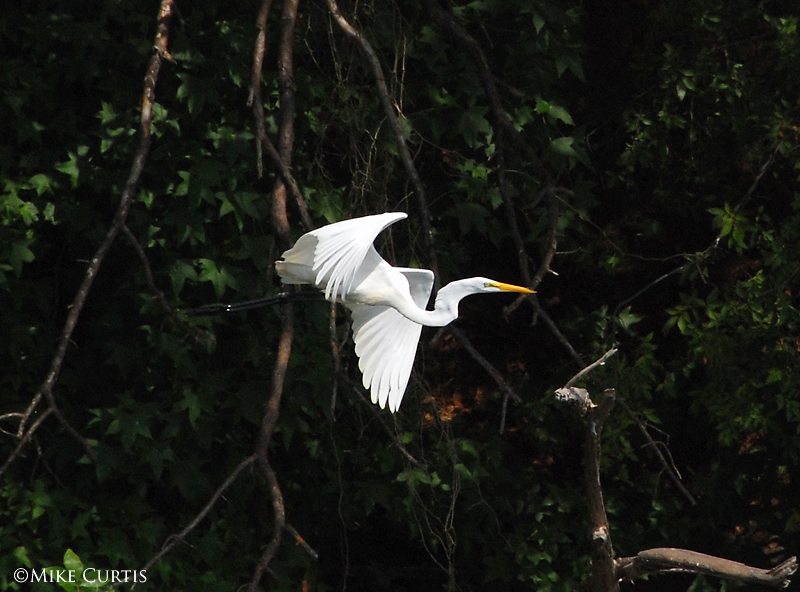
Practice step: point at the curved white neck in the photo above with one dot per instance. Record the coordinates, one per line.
(445, 308)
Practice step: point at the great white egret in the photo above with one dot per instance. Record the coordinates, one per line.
(388, 303)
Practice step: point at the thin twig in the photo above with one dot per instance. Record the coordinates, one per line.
(599, 362)
(381, 420)
(504, 124)
(671, 472)
(197, 334)
(24, 440)
(180, 536)
(301, 541)
(550, 252)
(391, 116)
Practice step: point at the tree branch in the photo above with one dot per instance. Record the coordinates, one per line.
(46, 389)
(665, 560)
(280, 222)
(180, 536)
(262, 139)
(603, 578)
(24, 440)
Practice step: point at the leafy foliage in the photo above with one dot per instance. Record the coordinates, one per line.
(672, 130)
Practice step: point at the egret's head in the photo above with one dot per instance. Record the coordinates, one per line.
(448, 297)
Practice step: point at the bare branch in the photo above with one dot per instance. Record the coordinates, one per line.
(599, 362)
(280, 222)
(301, 541)
(24, 440)
(603, 578)
(160, 53)
(676, 480)
(680, 560)
(180, 536)
(262, 139)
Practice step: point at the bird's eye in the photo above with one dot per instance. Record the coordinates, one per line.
(488, 284)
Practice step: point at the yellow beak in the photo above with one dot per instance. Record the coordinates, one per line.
(512, 288)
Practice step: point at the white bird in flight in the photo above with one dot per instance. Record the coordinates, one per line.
(388, 303)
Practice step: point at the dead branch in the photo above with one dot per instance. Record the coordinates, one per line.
(666, 560)
(607, 572)
(622, 403)
(391, 116)
(597, 363)
(45, 391)
(603, 578)
(280, 222)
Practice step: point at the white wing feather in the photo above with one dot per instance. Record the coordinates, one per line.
(332, 255)
(386, 342)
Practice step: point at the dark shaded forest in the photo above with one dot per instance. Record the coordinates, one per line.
(636, 164)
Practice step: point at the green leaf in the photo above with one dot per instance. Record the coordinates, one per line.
(219, 277)
(564, 147)
(72, 562)
(561, 114)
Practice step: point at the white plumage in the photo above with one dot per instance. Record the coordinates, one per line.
(388, 303)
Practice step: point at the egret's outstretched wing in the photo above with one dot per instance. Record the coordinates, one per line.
(386, 342)
(332, 255)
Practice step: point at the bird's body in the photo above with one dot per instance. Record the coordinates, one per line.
(388, 303)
